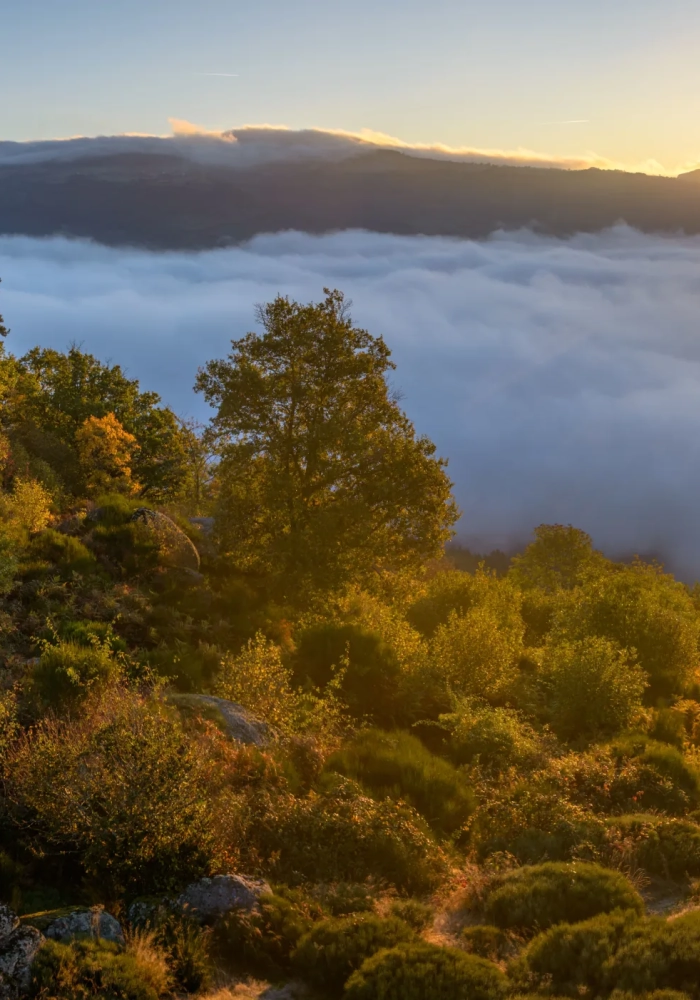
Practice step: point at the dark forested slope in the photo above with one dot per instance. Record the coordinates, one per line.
(169, 201)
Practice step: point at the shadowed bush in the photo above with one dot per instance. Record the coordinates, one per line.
(397, 765)
(334, 948)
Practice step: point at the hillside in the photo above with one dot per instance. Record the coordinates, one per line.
(171, 202)
(260, 737)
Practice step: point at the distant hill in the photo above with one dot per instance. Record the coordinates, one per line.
(171, 202)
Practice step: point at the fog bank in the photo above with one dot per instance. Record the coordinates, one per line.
(561, 378)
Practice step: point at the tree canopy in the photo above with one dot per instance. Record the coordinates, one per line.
(322, 476)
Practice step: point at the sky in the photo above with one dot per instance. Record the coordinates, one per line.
(559, 377)
(619, 79)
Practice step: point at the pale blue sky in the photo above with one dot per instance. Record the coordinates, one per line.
(493, 74)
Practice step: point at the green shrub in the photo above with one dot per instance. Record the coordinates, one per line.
(570, 957)
(418, 971)
(457, 592)
(262, 941)
(372, 668)
(541, 895)
(397, 765)
(486, 941)
(345, 836)
(416, 914)
(86, 968)
(65, 551)
(668, 763)
(668, 726)
(342, 898)
(125, 793)
(187, 944)
(666, 847)
(334, 948)
(638, 607)
(68, 672)
(495, 738)
(658, 954)
(475, 655)
(90, 633)
(130, 548)
(535, 822)
(591, 687)
(114, 509)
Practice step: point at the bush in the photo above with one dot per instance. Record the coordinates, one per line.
(343, 898)
(591, 687)
(345, 836)
(458, 592)
(263, 940)
(334, 948)
(68, 672)
(666, 762)
(541, 895)
(416, 914)
(126, 793)
(86, 968)
(417, 971)
(130, 548)
(68, 553)
(485, 940)
(666, 847)
(658, 955)
(567, 958)
(187, 944)
(372, 668)
(494, 738)
(536, 822)
(638, 607)
(474, 655)
(397, 765)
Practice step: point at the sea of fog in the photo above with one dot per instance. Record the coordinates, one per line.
(560, 378)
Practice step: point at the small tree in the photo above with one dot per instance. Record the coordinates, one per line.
(561, 557)
(322, 477)
(106, 451)
(594, 688)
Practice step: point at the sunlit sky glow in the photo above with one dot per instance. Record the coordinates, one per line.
(613, 81)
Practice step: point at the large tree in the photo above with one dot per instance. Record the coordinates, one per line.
(322, 477)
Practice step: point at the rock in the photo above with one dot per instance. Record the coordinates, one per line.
(9, 921)
(176, 549)
(235, 720)
(18, 947)
(93, 923)
(214, 897)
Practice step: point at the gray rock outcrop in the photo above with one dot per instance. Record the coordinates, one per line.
(86, 923)
(215, 897)
(18, 947)
(176, 549)
(232, 718)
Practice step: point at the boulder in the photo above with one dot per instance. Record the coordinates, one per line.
(233, 719)
(93, 923)
(214, 897)
(18, 948)
(176, 549)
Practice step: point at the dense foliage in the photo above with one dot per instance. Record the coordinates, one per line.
(244, 648)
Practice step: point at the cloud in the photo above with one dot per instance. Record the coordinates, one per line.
(254, 145)
(561, 378)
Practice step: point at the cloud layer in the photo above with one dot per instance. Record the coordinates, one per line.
(257, 145)
(561, 378)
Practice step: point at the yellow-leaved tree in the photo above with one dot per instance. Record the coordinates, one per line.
(106, 453)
